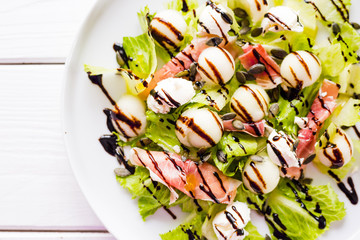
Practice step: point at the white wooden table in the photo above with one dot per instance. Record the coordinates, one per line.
(39, 196)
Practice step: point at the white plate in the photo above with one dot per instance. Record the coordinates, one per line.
(84, 123)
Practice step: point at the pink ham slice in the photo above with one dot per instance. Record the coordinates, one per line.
(323, 105)
(183, 60)
(271, 77)
(199, 181)
(256, 129)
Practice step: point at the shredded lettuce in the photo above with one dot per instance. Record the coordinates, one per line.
(297, 212)
(332, 64)
(349, 79)
(191, 229)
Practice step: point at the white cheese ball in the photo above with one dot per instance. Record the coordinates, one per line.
(338, 152)
(170, 93)
(211, 21)
(250, 102)
(261, 175)
(280, 148)
(256, 9)
(281, 18)
(130, 119)
(168, 27)
(300, 69)
(230, 223)
(216, 66)
(200, 128)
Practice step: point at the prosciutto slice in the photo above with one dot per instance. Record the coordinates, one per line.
(198, 181)
(271, 77)
(256, 129)
(323, 105)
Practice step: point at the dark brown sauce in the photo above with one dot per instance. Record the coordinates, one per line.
(337, 161)
(240, 145)
(185, 7)
(97, 80)
(232, 221)
(164, 207)
(323, 104)
(258, 174)
(109, 143)
(242, 113)
(156, 165)
(263, 60)
(303, 63)
(202, 188)
(222, 33)
(253, 184)
(350, 193)
(216, 72)
(237, 212)
(220, 181)
(189, 122)
(274, 18)
(357, 131)
(120, 49)
(320, 219)
(119, 153)
(133, 122)
(109, 122)
(344, 13)
(316, 9)
(278, 154)
(256, 97)
(172, 101)
(278, 221)
(174, 163)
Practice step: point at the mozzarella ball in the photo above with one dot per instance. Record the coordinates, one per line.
(281, 18)
(216, 66)
(250, 102)
(129, 119)
(200, 128)
(300, 69)
(338, 152)
(260, 175)
(256, 9)
(280, 148)
(211, 21)
(230, 223)
(170, 93)
(168, 27)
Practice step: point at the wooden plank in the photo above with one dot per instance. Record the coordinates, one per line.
(37, 187)
(39, 30)
(55, 235)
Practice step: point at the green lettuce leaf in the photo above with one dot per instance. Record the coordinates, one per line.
(289, 204)
(330, 12)
(347, 113)
(191, 229)
(253, 232)
(161, 130)
(207, 228)
(299, 107)
(331, 61)
(150, 197)
(235, 146)
(254, 201)
(349, 81)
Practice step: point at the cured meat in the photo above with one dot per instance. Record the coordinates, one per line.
(271, 77)
(323, 105)
(199, 181)
(182, 61)
(256, 129)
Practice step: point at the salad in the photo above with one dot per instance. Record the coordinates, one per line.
(228, 103)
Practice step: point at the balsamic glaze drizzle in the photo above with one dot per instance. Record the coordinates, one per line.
(350, 193)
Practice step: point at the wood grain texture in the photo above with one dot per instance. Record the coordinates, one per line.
(37, 187)
(39, 30)
(55, 236)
